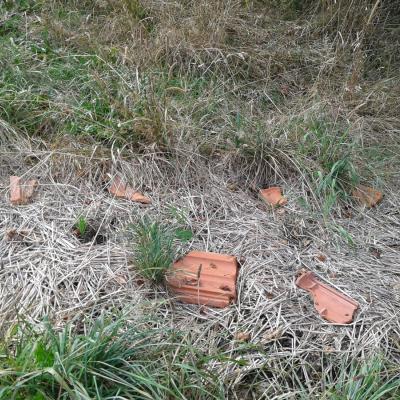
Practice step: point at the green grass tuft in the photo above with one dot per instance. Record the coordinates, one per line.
(112, 360)
(327, 152)
(154, 249)
(370, 380)
(81, 225)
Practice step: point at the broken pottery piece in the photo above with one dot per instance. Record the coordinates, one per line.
(204, 278)
(117, 187)
(21, 193)
(122, 190)
(330, 303)
(132, 195)
(242, 336)
(367, 196)
(273, 196)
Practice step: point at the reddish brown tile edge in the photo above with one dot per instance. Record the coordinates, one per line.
(117, 187)
(204, 278)
(273, 196)
(120, 189)
(21, 193)
(331, 304)
(367, 196)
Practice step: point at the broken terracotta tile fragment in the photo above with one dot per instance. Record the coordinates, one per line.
(273, 196)
(367, 196)
(121, 189)
(321, 257)
(330, 303)
(117, 187)
(204, 278)
(132, 195)
(21, 193)
(242, 336)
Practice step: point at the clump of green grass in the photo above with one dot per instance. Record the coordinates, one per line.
(112, 360)
(182, 232)
(49, 91)
(332, 169)
(135, 9)
(21, 5)
(154, 249)
(81, 225)
(370, 380)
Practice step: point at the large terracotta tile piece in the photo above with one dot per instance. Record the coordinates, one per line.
(122, 190)
(204, 278)
(367, 196)
(330, 303)
(273, 196)
(20, 193)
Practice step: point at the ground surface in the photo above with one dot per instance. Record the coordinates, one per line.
(200, 135)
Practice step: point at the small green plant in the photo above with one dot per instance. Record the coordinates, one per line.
(335, 183)
(332, 171)
(112, 360)
(181, 232)
(343, 234)
(370, 380)
(154, 249)
(81, 225)
(135, 9)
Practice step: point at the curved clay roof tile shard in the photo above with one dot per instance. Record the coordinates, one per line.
(367, 196)
(273, 196)
(21, 193)
(204, 278)
(330, 303)
(120, 189)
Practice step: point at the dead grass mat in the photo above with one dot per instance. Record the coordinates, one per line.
(47, 271)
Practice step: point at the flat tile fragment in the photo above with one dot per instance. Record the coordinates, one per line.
(367, 196)
(21, 192)
(331, 304)
(120, 189)
(273, 196)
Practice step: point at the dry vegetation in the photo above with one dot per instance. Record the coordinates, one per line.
(198, 104)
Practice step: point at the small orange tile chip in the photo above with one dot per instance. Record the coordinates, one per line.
(273, 196)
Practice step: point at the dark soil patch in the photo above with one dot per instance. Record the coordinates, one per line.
(91, 234)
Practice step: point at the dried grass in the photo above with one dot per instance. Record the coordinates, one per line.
(241, 132)
(47, 271)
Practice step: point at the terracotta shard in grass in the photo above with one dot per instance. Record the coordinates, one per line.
(331, 304)
(21, 193)
(204, 278)
(121, 189)
(367, 196)
(273, 196)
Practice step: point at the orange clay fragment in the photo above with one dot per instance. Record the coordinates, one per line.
(204, 278)
(122, 190)
(21, 193)
(273, 196)
(330, 303)
(367, 196)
